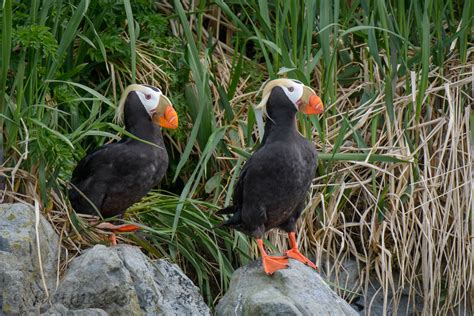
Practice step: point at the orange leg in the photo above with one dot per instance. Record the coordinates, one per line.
(296, 254)
(113, 239)
(125, 228)
(271, 264)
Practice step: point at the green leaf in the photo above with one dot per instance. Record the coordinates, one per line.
(5, 62)
(69, 35)
(212, 183)
(52, 131)
(268, 43)
(425, 66)
(212, 142)
(132, 37)
(359, 157)
(87, 89)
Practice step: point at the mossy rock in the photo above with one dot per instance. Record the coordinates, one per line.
(21, 285)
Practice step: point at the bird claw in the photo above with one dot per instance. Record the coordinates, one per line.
(125, 228)
(297, 255)
(113, 239)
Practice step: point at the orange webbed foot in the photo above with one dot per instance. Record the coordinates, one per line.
(297, 255)
(125, 228)
(273, 264)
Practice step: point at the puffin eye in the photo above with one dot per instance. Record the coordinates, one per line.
(291, 89)
(147, 96)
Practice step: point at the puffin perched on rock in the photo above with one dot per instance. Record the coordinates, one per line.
(275, 180)
(114, 176)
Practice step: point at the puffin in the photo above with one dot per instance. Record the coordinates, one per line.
(274, 182)
(114, 176)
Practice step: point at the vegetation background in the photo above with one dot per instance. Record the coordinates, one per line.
(393, 189)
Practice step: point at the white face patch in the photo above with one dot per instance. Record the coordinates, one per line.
(294, 92)
(149, 99)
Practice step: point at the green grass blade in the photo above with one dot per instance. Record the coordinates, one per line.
(425, 67)
(214, 139)
(133, 38)
(52, 131)
(190, 144)
(339, 156)
(359, 157)
(5, 62)
(467, 18)
(69, 35)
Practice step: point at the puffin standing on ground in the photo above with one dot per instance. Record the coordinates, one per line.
(114, 176)
(275, 180)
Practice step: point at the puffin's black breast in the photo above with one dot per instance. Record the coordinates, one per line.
(277, 180)
(115, 176)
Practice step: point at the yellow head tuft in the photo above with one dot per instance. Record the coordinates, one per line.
(119, 111)
(267, 89)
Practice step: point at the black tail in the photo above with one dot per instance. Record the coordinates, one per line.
(232, 222)
(227, 210)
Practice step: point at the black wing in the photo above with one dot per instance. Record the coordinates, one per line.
(84, 168)
(84, 181)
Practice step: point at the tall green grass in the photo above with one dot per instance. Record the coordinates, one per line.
(378, 66)
(64, 65)
(394, 75)
(206, 252)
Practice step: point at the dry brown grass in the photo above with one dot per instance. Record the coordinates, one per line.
(423, 240)
(422, 244)
(408, 225)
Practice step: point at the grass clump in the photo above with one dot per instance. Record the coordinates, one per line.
(395, 169)
(395, 163)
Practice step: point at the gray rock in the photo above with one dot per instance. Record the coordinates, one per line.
(121, 280)
(345, 279)
(345, 274)
(372, 302)
(298, 290)
(21, 286)
(61, 310)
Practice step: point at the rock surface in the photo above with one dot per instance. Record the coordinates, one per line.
(121, 280)
(371, 300)
(61, 310)
(21, 286)
(345, 275)
(298, 290)
(117, 280)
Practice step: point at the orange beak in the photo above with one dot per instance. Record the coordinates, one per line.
(314, 106)
(310, 103)
(169, 119)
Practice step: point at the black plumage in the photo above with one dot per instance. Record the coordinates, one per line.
(274, 182)
(117, 175)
